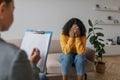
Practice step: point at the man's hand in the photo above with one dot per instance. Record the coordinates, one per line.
(35, 56)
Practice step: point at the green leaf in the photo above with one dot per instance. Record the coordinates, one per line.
(100, 54)
(102, 51)
(100, 34)
(92, 39)
(102, 45)
(101, 39)
(99, 28)
(88, 35)
(97, 48)
(90, 23)
(96, 45)
(90, 30)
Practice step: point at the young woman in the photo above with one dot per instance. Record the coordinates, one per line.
(73, 44)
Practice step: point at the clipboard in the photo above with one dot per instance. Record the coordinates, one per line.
(37, 39)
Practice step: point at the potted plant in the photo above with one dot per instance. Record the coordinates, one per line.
(95, 38)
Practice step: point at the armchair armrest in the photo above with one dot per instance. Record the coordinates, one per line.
(90, 54)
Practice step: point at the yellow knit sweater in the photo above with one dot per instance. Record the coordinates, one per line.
(73, 45)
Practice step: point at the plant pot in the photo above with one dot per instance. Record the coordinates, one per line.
(100, 67)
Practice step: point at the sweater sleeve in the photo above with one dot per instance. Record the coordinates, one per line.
(66, 43)
(80, 44)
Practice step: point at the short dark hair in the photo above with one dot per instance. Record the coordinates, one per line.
(69, 24)
(7, 1)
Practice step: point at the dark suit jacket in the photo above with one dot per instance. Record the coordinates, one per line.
(14, 64)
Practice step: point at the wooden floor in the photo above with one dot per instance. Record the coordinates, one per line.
(112, 70)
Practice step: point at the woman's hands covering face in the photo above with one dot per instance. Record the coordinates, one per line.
(74, 31)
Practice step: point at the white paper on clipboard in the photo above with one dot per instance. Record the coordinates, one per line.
(37, 39)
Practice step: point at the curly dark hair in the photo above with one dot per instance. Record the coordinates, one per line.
(69, 24)
(7, 1)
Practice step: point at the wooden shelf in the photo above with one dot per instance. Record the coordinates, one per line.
(107, 10)
(107, 24)
(101, 22)
(109, 21)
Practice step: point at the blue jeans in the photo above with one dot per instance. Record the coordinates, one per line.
(67, 60)
(43, 76)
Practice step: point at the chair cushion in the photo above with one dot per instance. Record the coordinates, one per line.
(90, 54)
(53, 65)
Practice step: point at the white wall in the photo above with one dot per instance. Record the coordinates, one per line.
(52, 14)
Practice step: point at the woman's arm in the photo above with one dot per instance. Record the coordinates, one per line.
(66, 43)
(80, 44)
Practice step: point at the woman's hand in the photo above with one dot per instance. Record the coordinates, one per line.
(77, 33)
(74, 31)
(35, 56)
(71, 33)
